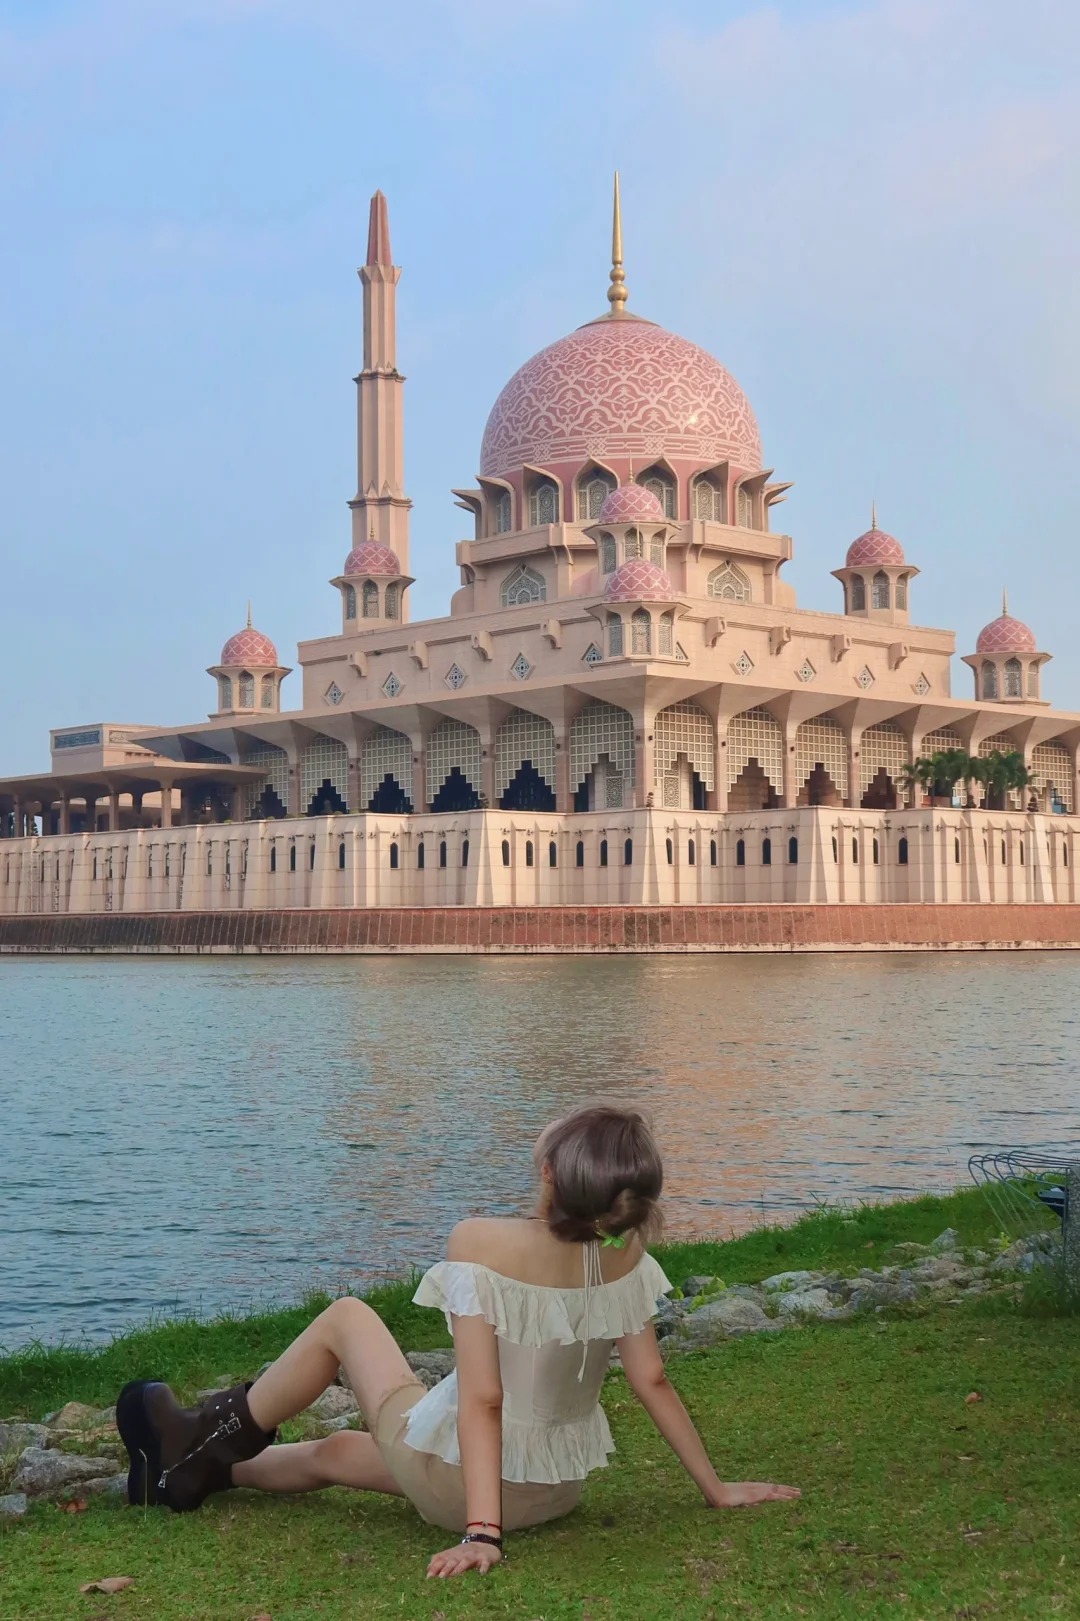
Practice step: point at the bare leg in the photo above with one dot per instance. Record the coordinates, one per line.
(345, 1459)
(347, 1334)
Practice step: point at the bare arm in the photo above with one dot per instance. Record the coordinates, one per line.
(644, 1369)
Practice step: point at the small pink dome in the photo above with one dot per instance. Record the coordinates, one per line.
(631, 503)
(249, 646)
(372, 557)
(639, 581)
(1005, 635)
(874, 548)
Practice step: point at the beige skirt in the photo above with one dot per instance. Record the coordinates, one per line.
(436, 1489)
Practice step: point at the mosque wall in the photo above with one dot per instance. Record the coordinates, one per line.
(811, 855)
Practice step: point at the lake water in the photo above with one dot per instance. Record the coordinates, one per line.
(198, 1134)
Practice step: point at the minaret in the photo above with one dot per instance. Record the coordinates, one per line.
(380, 506)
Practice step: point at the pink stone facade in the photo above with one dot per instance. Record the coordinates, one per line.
(625, 705)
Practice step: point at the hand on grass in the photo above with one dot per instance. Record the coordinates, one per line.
(744, 1493)
(464, 1556)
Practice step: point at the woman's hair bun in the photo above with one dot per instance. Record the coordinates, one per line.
(606, 1174)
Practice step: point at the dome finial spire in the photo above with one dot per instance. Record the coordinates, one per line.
(249, 614)
(617, 293)
(1004, 600)
(873, 514)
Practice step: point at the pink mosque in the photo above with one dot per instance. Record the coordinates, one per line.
(624, 705)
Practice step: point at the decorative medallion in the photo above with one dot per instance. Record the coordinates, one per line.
(333, 693)
(391, 686)
(743, 664)
(455, 677)
(806, 671)
(521, 669)
(864, 679)
(921, 686)
(593, 655)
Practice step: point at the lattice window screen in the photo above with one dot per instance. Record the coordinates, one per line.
(730, 584)
(521, 737)
(883, 745)
(276, 764)
(1014, 799)
(324, 757)
(601, 729)
(1050, 764)
(683, 728)
(452, 743)
(822, 741)
(756, 735)
(937, 742)
(385, 751)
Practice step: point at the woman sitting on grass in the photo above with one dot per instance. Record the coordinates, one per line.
(534, 1304)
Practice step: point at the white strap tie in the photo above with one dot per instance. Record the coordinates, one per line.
(593, 1279)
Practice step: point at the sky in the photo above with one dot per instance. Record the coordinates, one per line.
(868, 210)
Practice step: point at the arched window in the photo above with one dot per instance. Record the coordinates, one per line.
(691, 852)
(740, 853)
(657, 551)
(659, 482)
(1014, 679)
(442, 852)
(350, 602)
(603, 852)
(766, 852)
(670, 847)
(393, 593)
(224, 692)
(989, 679)
(341, 856)
(553, 854)
(506, 852)
(273, 858)
(880, 597)
(504, 512)
(522, 585)
(529, 853)
(464, 852)
(876, 852)
(708, 502)
(393, 857)
(292, 857)
(420, 856)
(745, 508)
(370, 600)
(667, 633)
(729, 584)
(543, 503)
(641, 631)
(1033, 681)
(793, 852)
(607, 554)
(592, 492)
(902, 852)
(628, 853)
(901, 592)
(247, 691)
(268, 692)
(579, 853)
(615, 636)
(712, 852)
(858, 594)
(633, 545)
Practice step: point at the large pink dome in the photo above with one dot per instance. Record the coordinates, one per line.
(620, 387)
(1006, 635)
(639, 581)
(372, 557)
(631, 503)
(874, 548)
(249, 646)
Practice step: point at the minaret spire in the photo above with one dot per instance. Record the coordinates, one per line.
(1004, 600)
(249, 614)
(380, 507)
(873, 514)
(617, 293)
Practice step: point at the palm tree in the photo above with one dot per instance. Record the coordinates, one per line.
(1004, 771)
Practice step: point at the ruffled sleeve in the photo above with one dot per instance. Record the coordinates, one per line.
(531, 1314)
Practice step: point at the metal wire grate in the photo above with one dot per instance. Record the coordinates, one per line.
(1023, 1187)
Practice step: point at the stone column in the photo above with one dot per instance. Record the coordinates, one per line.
(644, 761)
(720, 793)
(114, 810)
(419, 784)
(65, 813)
(790, 792)
(853, 750)
(563, 795)
(166, 802)
(237, 801)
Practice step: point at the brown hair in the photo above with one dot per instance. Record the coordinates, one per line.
(606, 1174)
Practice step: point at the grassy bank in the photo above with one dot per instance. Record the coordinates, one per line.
(916, 1502)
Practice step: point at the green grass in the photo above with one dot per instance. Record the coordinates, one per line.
(915, 1503)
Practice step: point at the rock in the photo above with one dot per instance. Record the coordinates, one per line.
(936, 1267)
(811, 1302)
(726, 1318)
(669, 1314)
(431, 1367)
(334, 1403)
(874, 1293)
(13, 1506)
(105, 1486)
(907, 1251)
(792, 1280)
(700, 1284)
(45, 1474)
(16, 1436)
(347, 1421)
(74, 1415)
(948, 1240)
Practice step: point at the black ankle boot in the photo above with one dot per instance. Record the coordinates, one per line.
(179, 1455)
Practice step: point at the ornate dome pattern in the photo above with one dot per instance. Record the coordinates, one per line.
(873, 548)
(1006, 635)
(639, 581)
(631, 503)
(620, 388)
(372, 557)
(249, 646)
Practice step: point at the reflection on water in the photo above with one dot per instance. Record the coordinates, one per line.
(209, 1133)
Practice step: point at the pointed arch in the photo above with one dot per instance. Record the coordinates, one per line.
(594, 485)
(708, 498)
(728, 583)
(744, 507)
(246, 688)
(393, 600)
(525, 762)
(324, 776)
(641, 631)
(603, 734)
(821, 762)
(883, 760)
(270, 797)
(452, 763)
(369, 599)
(858, 594)
(608, 554)
(659, 480)
(755, 760)
(522, 586)
(350, 602)
(1052, 774)
(543, 502)
(989, 679)
(1014, 678)
(684, 756)
(386, 771)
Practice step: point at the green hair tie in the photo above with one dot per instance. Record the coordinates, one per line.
(610, 1242)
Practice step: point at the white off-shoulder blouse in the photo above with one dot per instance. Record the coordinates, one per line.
(554, 1349)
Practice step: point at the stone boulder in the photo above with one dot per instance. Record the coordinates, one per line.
(336, 1402)
(792, 1280)
(75, 1415)
(431, 1367)
(728, 1317)
(13, 1506)
(16, 1436)
(805, 1302)
(948, 1240)
(699, 1284)
(51, 1474)
(873, 1293)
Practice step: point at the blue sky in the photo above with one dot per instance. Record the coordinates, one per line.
(867, 210)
